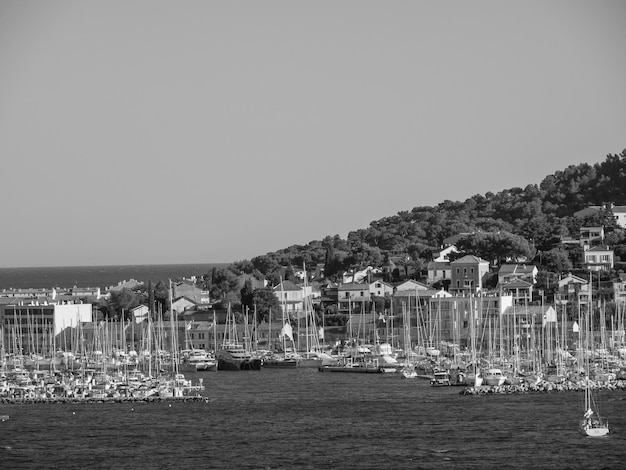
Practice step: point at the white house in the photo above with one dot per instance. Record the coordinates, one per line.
(291, 296)
(380, 288)
(410, 285)
(140, 313)
(598, 258)
(516, 272)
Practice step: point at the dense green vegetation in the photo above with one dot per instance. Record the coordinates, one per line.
(514, 222)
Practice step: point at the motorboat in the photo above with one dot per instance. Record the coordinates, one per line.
(197, 360)
(494, 377)
(441, 378)
(235, 357)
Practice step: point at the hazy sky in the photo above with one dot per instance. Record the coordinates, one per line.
(148, 132)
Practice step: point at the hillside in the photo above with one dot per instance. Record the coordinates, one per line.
(537, 214)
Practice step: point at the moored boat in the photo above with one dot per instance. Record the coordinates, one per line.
(235, 357)
(494, 377)
(441, 378)
(197, 360)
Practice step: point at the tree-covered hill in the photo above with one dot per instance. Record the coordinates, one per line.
(538, 215)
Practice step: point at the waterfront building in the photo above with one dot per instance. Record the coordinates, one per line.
(36, 325)
(130, 284)
(410, 285)
(50, 293)
(351, 295)
(90, 293)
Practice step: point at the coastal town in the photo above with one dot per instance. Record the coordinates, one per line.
(507, 339)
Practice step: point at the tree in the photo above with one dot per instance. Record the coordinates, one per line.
(161, 297)
(556, 260)
(150, 298)
(498, 246)
(264, 300)
(247, 294)
(122, 301)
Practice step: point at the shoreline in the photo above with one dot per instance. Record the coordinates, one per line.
(94, 400)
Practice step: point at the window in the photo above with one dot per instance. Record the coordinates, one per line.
(472, 270)
(458, 270)
(465, 271)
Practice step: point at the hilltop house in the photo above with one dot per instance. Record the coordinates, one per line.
(619, 213)
(598, 258)
(467, 274)
(291, 296)
(380, 288)
(619, 290)
(139, 313)
(572, 289)
(515, 272)
(591, 236)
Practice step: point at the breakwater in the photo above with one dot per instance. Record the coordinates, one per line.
(543, 387)
(94, 400)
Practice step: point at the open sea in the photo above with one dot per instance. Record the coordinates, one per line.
(98, 276)
(305, 419)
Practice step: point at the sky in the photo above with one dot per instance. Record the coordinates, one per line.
(157, 132)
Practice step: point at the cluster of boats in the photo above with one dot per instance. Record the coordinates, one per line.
(67, 377)
(133, 376)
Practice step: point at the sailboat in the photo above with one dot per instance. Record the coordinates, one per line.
(408, 370)
(592, 423)
(232, 355)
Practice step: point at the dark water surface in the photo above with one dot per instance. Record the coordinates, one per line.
(291, 419)
(97, 276)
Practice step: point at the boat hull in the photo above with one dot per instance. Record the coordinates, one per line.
(594, 427)
(353, 370)
(280, 364)
(245, 364)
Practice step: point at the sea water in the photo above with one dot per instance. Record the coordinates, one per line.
(304, 419)
(98, 276)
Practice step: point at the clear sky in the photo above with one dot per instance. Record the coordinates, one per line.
(149, 132)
